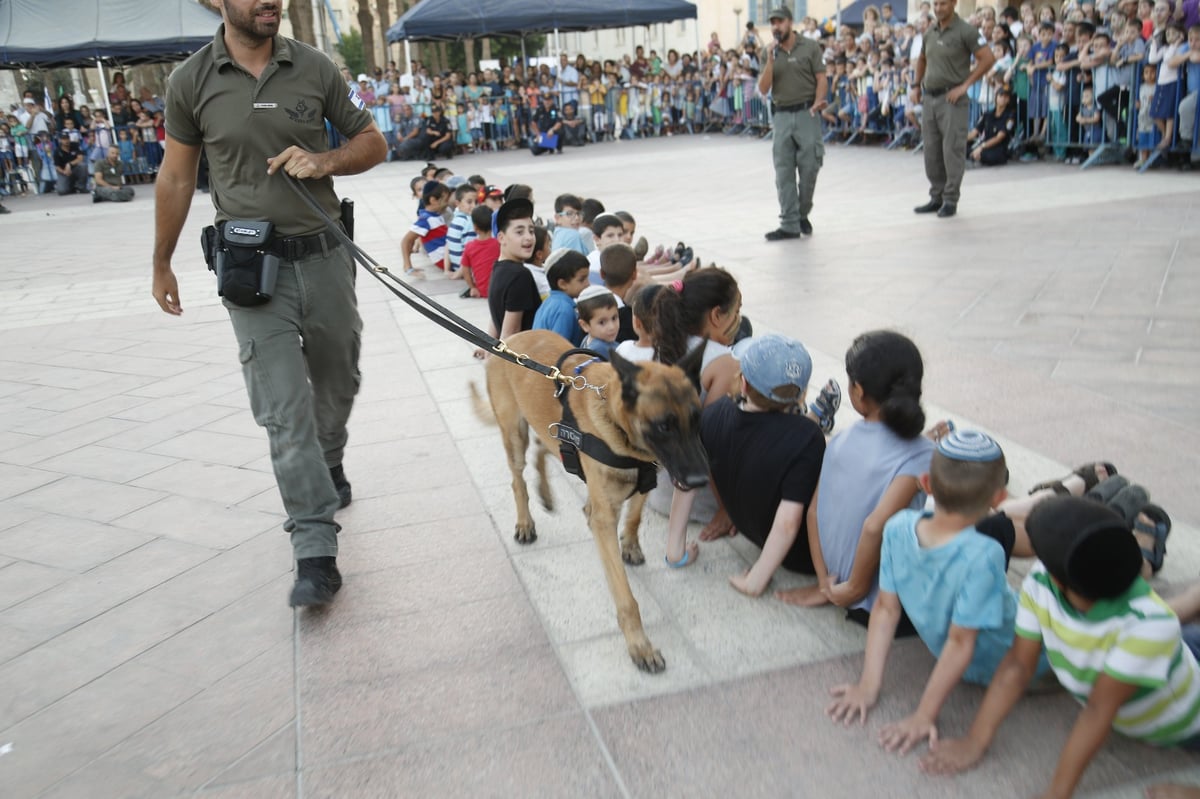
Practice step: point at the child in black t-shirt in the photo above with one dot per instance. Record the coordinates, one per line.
(513, 296)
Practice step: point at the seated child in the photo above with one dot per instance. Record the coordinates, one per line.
(480, 254)
(1113, 643)
(949, 579)
(461, 230)
(869, 473)
(642, 305)
(537, 262)
(568, 275)
(764, 458)
(597, 309)
(618, 270)
(429, 228)
(607, 229)
(568, 214)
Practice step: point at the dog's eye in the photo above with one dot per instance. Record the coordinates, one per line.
(663, 426)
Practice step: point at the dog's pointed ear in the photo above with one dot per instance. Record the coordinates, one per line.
(627, 371)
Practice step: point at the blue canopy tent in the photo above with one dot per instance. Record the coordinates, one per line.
(80, 33)
(853, 14)
(35, 34)
(432, 20)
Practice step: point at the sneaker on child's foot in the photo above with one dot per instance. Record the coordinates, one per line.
(826, 405)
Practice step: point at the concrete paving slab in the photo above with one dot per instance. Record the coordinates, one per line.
(454, 659)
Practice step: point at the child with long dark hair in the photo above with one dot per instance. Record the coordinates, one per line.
(870, 471)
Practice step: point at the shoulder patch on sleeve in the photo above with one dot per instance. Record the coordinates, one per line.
(357, 100)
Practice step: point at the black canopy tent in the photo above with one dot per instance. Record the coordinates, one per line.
(453, 20)
(36, 34)
(462, 19)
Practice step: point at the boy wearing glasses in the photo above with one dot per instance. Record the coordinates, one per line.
(568, 215)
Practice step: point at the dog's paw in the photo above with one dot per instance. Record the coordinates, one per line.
(632, 554)
(546, 497)
(526, 534)
(647, 658)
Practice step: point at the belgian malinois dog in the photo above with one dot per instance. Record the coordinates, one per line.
(647, 411)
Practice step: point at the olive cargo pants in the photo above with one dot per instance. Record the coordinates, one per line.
(944, 132)
(798, 153)
(299, 355)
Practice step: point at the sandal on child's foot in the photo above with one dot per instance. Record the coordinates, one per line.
(1153, 521)
(826, 405)
(1128, 503)
(1105, 490)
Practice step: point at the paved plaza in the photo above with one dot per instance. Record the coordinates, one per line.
(146, 646)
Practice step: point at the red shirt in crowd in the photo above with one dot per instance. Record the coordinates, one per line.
(480, 255)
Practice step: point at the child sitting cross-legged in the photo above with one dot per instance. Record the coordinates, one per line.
(597, 309)
(949, 579)
(1113, 643)
(568, 276)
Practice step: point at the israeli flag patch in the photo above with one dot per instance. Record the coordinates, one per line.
(357, 100)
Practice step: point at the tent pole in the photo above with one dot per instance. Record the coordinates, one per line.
(104, 91)
(408, 58)
(524, 59)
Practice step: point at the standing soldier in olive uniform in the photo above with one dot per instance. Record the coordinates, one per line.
(257, 103)
(943, 76)
(794, 73)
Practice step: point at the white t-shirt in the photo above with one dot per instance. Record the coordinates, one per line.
(630, 351)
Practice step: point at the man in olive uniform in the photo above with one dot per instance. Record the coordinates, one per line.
(943, 76)
(794, 72)
(257, 104)
(108, 179)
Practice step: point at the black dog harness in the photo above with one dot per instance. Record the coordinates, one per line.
(571, 441)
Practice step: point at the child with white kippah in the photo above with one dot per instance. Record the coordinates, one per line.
(949, 578)
(598, 317)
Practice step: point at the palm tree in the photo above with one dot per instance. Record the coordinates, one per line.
(366, 26)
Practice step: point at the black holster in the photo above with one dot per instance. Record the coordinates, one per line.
(237, 252)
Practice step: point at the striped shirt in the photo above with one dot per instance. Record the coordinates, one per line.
(460, 231)
(431, 228)
(1134, 638)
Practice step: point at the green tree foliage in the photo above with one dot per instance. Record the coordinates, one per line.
(351, 50)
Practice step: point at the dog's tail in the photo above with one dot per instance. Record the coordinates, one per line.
(483, 408)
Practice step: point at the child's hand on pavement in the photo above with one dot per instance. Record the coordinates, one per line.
(852, 701)
(902, 736)
(840, 595)
(951, 756)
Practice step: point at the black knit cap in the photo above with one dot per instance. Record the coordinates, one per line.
(1084, 545)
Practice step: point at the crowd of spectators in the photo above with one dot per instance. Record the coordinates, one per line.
(60, 148)
(1067, 75)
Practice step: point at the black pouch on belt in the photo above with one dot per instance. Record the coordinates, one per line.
(246, 270)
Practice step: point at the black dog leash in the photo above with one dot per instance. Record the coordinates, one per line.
(424, 304)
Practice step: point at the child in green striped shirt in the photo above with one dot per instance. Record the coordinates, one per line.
(1113, 643)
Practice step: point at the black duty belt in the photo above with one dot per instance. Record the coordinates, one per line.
(936, 92)
(294, 248)
(791, 109)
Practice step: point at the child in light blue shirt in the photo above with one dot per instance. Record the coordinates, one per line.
(567, 274)
(950, 580)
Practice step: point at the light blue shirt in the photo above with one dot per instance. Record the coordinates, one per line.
(557, 313)
(860, 463)
(569, 238)
(960, 582)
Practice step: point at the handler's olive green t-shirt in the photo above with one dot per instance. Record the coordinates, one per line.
(242, 122)
(948, 53)
(794, 79)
